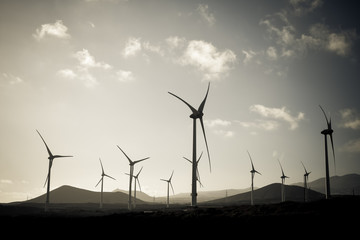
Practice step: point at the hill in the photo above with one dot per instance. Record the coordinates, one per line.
(269, 194)
(69, 194)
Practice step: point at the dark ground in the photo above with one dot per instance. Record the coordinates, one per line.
(339, 216)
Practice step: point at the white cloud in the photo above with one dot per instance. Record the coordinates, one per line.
(125, 76)
(175, 42)
(58, 29)
(249, 55)
(67, 73)
(88, 61)
(132, 47)
(224, 133)
(217, 122)
(153, 48)
(203, 10)
(260, 124)
(353, 146)
(6, 181)
(278, 113)
(12, 79)
(208, 59)
(350, 119)
(305, 6)
(272, 53)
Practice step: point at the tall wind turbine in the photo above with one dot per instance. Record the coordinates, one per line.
(102, 182)
(253, 171)
(325, 132)
(51, 159)
(196, 114)
(197, 170)
(168, 183)
(136, 177)
(306, 178)
(131, 163)
(283, 177)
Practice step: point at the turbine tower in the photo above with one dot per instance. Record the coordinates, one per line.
(136, 177)
(51, 159)
(197, 170)
(102, 182)
(253, 171)
(283, 177)
(196, 114)
(325, 132)
(306, 189)
(131, 163)
(168, 183)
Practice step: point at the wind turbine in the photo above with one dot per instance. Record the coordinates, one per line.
(282, 183)
(136, 177)
(131, 163)
(51, 159)
(196, 114)
(306, 178)
(168, 183)
(253, 171)
(325, 132)
(197, 170)
(102, 182)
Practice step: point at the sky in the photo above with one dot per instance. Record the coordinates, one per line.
(93, 74)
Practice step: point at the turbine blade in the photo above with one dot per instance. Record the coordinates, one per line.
(140, 160)
(187, 159)
(171, 175)
(139, 172)
(139, 184)
(191, 107)
(163, 180)
(102, 169)
(125, 154)
(199, 157)
(47, 148)
(61, 156)
(109, 176)
(202, 105)
(172, 188)
(257, 172)
(304, 167)
(332, 146)
(207, 148)
(46, 180)
(282, 171)
(252, 165)
(99, 181)
(327, 121)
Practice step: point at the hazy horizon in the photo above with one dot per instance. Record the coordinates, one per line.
(93, 74)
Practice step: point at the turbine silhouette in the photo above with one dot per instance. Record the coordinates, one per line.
(329, 131)
(136, 177)
(168, 183)
(196, 114)
(51, 159)
(253, 171)
(102, 182)
(197, 170)
(306, 178)
(131, 163)
(283, 177)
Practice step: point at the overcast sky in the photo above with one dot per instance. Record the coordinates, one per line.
(93, 74)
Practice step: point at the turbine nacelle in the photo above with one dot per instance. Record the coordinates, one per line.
(196, 115)
(328, 131)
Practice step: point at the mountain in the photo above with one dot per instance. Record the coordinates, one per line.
(69, 194)
(270, 194)
(339, 185)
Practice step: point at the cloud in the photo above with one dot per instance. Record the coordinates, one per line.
(58, 30)
(132, 47)
(249, 55)
(83, 70)
(208, 59)
(6, 181)
(203, 10)
(175, 41)
(278, 113)
(125, 76)
(350, 119)
(217, 124)
(267, 125)
(302, 7)
(272, 53)
(353, 146)
(12, 79)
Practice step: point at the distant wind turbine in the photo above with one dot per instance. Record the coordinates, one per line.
(197, 170)
(325, 132)
(169, 183)
(253, 171)
(283, 177)
(136, 177)
(306, 178)
(102, 182)
(131, 163)
(51, 159)
(196, 114)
